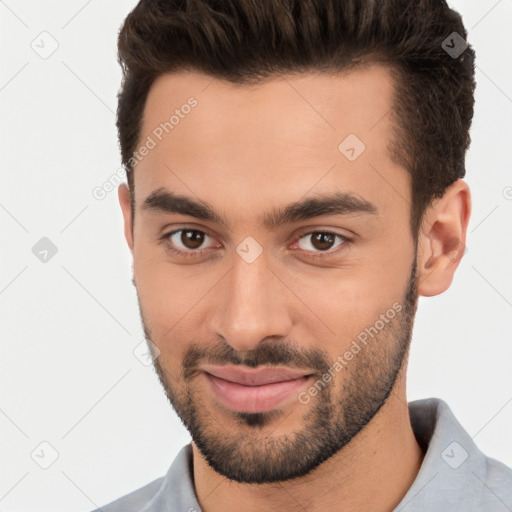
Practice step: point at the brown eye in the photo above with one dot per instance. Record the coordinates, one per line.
(320, 241)
(191, 238)
(186, 241)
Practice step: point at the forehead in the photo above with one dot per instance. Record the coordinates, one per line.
(302, 107)
(288, 134)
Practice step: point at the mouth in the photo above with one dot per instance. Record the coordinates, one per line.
(254, 389)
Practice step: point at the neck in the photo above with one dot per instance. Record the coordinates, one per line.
(372, 473)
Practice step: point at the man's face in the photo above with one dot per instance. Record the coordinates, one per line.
(251, 317)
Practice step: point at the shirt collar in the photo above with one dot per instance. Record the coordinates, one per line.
(452, 462)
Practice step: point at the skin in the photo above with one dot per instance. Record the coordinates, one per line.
(247, 150)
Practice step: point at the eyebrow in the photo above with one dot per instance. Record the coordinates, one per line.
(338, 203)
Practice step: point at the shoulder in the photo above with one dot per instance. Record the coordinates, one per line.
(134, 501)
(491, 485)
(499, 475)
(455, 473)
(175, 490)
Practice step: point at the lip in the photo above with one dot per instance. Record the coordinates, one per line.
(254, 389)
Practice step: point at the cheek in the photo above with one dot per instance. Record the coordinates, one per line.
(341, 303)
(172, 300)
(159, 293)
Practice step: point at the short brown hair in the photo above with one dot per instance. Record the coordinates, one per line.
(247, 41)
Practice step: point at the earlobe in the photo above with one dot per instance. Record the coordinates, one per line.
(125, 202)
(442, 240)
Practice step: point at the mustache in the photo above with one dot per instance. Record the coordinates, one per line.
(267, 353)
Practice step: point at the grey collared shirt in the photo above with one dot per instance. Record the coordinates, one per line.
(454, 476)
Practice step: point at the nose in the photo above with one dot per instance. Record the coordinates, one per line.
(251, 303)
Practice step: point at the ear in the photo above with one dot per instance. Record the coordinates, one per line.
(442, 239)
(125, 201)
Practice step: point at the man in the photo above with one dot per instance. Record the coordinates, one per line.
(294, 184)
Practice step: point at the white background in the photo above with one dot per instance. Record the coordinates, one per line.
(68, 375)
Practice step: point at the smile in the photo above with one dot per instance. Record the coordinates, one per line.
(254, 389)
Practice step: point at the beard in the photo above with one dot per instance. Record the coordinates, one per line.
(251, 451)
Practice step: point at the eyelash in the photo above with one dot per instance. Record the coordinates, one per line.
(165, 239)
